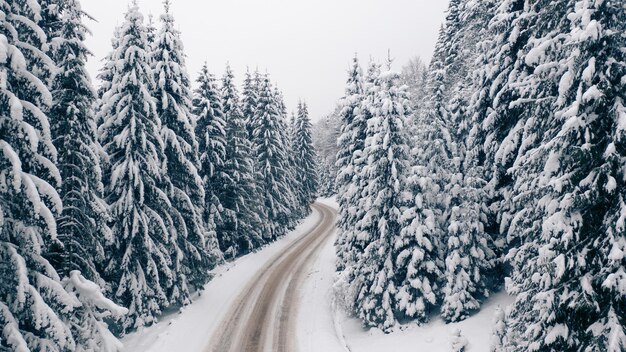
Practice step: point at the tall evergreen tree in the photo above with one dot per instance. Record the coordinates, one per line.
(195, 253)
(387, 155)
(305, 157)
(211, 135)
(350, 143)
(249, 101)
(82, 226)
(568, 272)
(241, 228)
(272, 161)
(34, 307)
(140, 269)
(31, 303)
(296, 210)
(105, 77)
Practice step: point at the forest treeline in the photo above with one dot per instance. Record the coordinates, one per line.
(500, 164)
(116, 203)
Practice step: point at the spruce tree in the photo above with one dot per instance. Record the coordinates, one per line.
(387, 161)
(195, 253)
(35, 307)
(568, 272)
(211, 136)
(350, 144)
(249, 101)
(417, 252)
(140, 269)
(241, 228)
(296, 210)
(105, 77)
(30, 303)
(82, 226)
(305, 157)
(271, 161)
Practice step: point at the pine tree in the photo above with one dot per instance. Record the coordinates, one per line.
(271, 161)
(498, 331)
(87, 321)
(82, 226)
(568, 192)
(105, 77)
(140, 269)
(151, 31)
(32, 300)
(417, 253)
(250, 101)
(211, 136)
(242, 221)
(305, 157)
(327, 174)
(350, 142)
(386, 152)
(195, 253)
(296, 210)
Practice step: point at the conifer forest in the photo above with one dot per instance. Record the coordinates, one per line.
(471, 200)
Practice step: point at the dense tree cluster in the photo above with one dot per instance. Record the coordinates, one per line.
(508, 172)
(132, 192)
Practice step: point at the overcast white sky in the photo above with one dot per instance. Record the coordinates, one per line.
(306, 46)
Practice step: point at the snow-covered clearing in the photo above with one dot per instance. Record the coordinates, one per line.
(191, 329)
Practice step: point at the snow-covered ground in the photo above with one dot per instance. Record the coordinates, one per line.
(324, 327)
(190, 329)
(435, 336)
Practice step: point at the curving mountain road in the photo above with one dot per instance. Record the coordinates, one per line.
(263, 316)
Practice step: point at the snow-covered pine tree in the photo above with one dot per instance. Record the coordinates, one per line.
(470, 259)
(326, 133)
(417, 252)
(430, 175)
(211, 136)
(387, 154)
(326, 175)
(249, 101)
(151, 31)
(498, 331)
(296, 209)
(350, 144)
(459, 342)
(140, 269)
(33, 302)
(105, 77)
(271, 162)
(568, 273)
(82, 228)
(87, 321)
(491, 108)
(242, 224)
(196, 252)
(305, 157)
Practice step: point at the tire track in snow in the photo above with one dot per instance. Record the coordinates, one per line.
(264, 315)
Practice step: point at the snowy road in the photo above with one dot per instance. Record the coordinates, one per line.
(263, 317)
